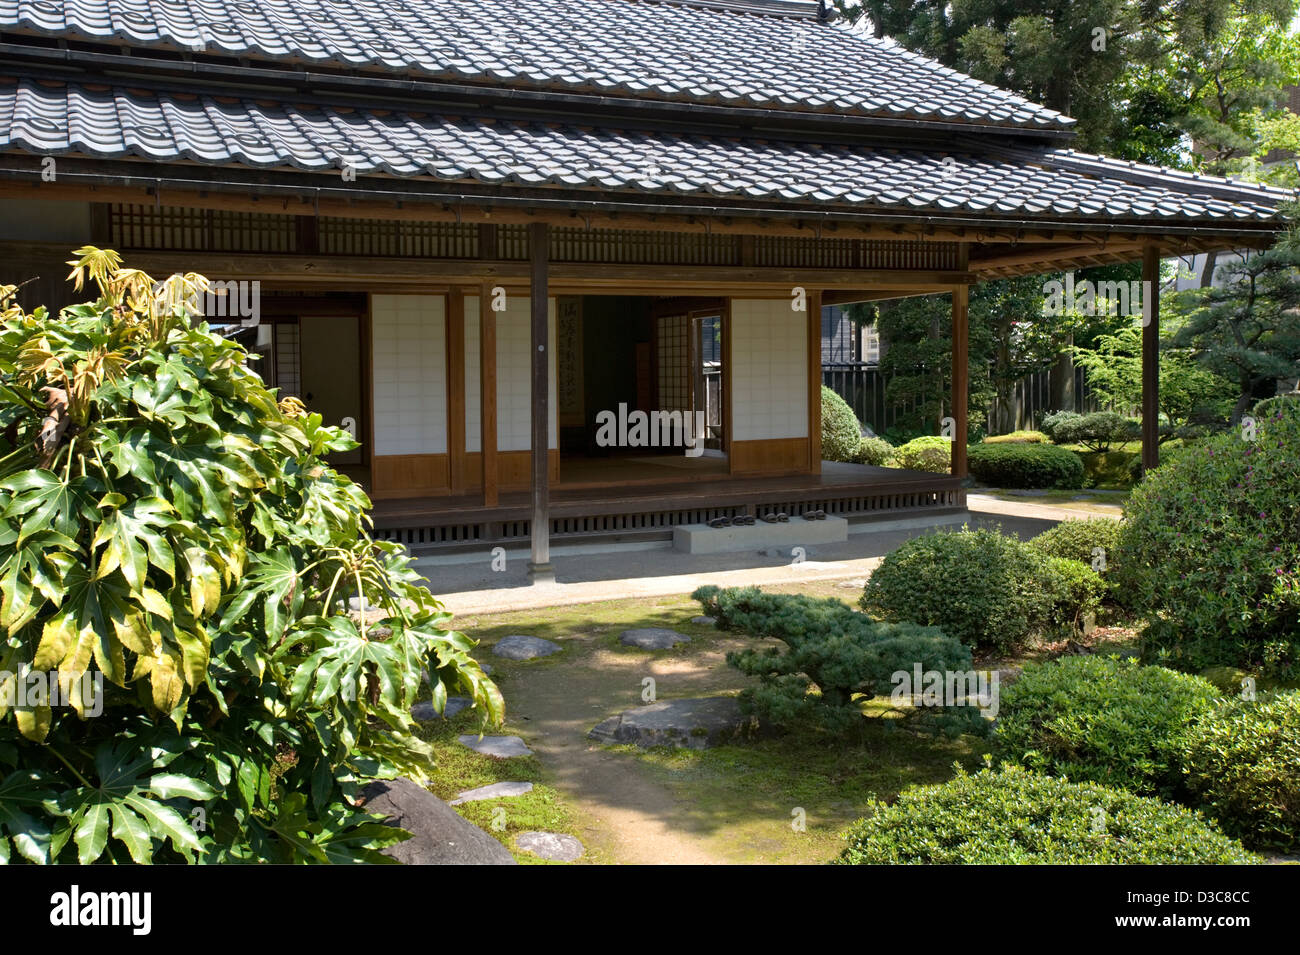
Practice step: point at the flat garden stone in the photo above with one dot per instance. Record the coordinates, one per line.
(550, 845)
(690, 724)
(425, 713)
(439, 834)
(704, 621)
(652, 638)
(519, 647)
(494, 791)
(500, 747)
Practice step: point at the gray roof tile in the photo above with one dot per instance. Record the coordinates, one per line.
(634, 47)
(54, 118)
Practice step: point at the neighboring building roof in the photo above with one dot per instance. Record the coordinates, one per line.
(780, 58)
(55, 118)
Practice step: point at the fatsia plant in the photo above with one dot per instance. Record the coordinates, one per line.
(170, 530)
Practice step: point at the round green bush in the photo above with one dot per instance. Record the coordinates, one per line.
(1080, 540)
(874, 451)
(1076, 589)
(1277, 405)
(1210, 546)
(1102, 720)
(982, 587)
(1014, 817)
(1242, 767)
(929, 452)
(1097, 430)
(1026, 465)
(841, 431)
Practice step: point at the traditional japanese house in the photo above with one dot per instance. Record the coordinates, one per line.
(477, 226)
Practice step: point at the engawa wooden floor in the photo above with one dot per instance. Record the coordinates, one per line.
(612, 487)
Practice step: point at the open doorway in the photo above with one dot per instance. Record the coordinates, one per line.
(640, 394)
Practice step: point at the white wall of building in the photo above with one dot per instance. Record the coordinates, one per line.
(514, 376)
(409, 349)
(769, 368)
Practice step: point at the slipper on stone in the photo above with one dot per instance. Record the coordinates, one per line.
(769, 518)
(782, 517)
(810, 515)
(719, 522)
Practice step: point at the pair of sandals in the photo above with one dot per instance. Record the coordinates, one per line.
(817, 515)
(740, 520)
(780, 517)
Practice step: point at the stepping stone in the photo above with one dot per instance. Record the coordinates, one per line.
(500, 747)
(550, 845)
(494, 791)
(518, 647)
(425, 713)
(852, 584)
(691, 724)
(652, 638)
(705, 621)
(439, 834)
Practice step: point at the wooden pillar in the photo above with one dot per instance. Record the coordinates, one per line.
(1150, 357)
(487, 380)
(456, 391)
(539, 569)
(814, 364)
(960, 376)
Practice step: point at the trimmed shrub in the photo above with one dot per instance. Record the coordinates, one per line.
(1025, 465)
(1075, 587)
(930, 452)
(1102, 720)
(1241, 766)
(1017, 437)
(1079, 540)
(827, 645)
(1013, 817)
(1096, 431)
(1211, 546)
(841, 431)
(1277, 405)
(982, 587)
(874, 451)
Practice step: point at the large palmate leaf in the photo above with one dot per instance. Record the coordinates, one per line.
(25, 796)
(30, 574)
(128, 795)
(134, 537)
(44, 501)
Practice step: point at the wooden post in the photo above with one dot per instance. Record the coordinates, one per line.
(487, 380)
(1150, 357)
(539, 569)
(814, 365)
(456, 391)
(960, 376)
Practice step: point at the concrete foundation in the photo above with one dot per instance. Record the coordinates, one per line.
(702, 539)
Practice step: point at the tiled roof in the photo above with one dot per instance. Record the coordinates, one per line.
(54, 118)
(631, 48)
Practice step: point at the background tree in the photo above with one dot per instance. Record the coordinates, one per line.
(1247, 328)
